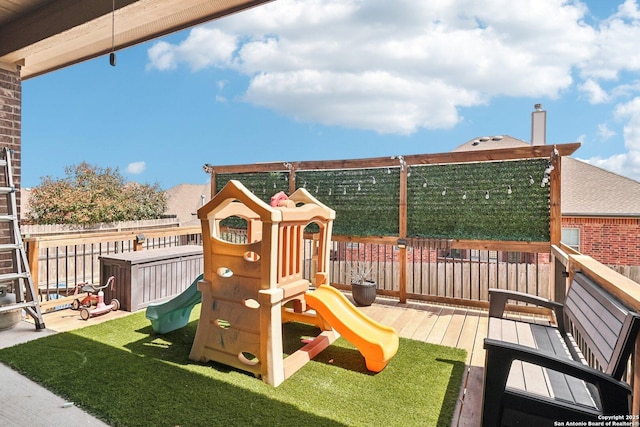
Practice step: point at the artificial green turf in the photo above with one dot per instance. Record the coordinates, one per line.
(124, 374)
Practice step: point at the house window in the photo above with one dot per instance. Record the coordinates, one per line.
(478, 255)
(571, 238)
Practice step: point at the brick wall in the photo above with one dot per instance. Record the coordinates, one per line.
(612, 241)
(10, 130)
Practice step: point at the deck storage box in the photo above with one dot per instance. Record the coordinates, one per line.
(150, 276)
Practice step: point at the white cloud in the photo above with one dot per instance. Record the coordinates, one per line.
(615, 48)
(628, 163)
(604, 132)
(595, 93)
(391, 68)
(136, 168)
(205, 47)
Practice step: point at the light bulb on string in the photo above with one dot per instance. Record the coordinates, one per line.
(359, 187)
(486, 196)
(444, 192)
(374, 179)
(509, 191)
(464, 196)
(329, 191)
(344, 191)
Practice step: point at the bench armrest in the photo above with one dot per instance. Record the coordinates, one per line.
(614, 395)
(498, 300)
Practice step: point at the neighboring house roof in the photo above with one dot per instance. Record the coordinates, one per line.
(491, 143)
(588, 190)
(184, 200)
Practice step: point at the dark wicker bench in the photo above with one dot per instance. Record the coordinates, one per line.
(536, 374)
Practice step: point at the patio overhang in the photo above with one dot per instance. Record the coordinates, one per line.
(39, 36)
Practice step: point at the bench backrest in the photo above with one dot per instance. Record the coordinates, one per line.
(604, 329)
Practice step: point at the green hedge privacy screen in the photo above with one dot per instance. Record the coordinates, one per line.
(366, 201)
(483, 201)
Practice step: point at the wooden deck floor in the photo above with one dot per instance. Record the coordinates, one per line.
(451, 326)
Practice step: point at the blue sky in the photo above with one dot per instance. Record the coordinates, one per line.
(342, 79)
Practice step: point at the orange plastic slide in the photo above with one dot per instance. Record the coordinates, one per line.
(376, 342)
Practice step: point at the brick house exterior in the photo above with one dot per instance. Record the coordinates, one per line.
(612, 241)
(10, 131)
(601, 213)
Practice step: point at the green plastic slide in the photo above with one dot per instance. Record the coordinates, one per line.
(174, 314)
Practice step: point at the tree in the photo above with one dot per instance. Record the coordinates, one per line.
(89, 194)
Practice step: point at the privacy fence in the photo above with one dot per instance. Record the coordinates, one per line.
(440, 226)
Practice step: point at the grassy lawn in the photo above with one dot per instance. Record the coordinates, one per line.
(124, 374)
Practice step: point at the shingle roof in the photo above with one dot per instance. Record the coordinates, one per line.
(588, 190)
(183, 200)
(490, 143)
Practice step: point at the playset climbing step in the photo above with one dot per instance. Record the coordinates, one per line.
(17, 290)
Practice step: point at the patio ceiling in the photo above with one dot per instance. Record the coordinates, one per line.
(44, 35)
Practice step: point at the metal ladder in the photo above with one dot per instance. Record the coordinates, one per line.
(20, 279)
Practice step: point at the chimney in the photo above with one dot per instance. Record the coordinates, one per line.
(538, 126)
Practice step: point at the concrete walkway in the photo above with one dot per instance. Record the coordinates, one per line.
(25, 403)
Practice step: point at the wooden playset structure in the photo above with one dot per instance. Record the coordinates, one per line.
(247, 285)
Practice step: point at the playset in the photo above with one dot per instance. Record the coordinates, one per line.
(249, 289)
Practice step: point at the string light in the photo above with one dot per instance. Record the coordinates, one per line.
(466, 193)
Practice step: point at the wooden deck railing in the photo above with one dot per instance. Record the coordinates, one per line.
(447, 271)
(455, 272)
(59, 262)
